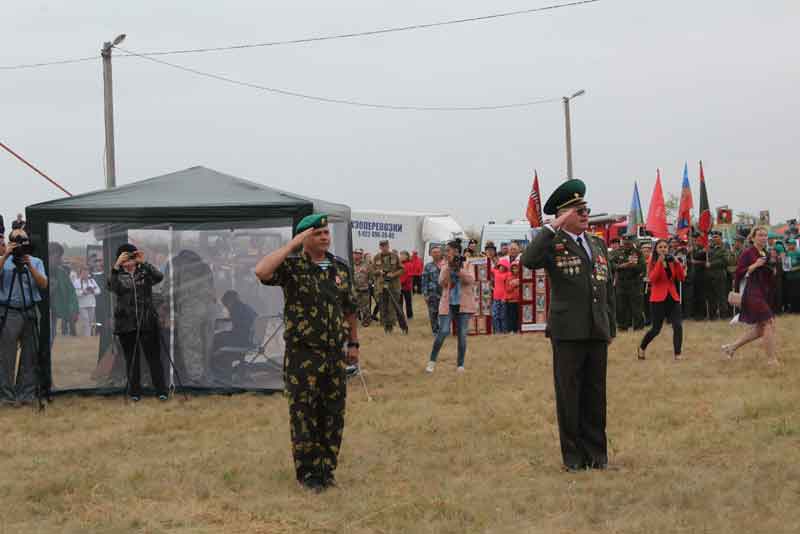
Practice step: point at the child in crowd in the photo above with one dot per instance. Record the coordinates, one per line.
(512, 299)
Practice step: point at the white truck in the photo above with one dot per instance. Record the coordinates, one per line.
(405, 230)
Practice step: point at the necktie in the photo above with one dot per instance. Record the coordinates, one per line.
(583, 249)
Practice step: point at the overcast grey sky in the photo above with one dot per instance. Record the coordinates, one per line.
(666, 82)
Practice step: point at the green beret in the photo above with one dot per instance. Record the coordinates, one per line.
(568, 194)
(317, 220)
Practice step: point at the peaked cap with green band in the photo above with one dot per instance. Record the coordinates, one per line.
(317, 220)
(567, 195)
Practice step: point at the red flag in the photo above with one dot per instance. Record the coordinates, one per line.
(684, 221)
(657, 214)
(534, 211)
(704, 220)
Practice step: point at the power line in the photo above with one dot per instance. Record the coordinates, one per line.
(330, 100)
(315, 39)
(371, 33)
(49, 63)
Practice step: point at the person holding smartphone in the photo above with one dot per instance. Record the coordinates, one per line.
(664, 274)
(135, 318)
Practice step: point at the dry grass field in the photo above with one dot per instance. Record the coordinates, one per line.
(702, 446)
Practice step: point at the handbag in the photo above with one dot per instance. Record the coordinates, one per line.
(735, 298)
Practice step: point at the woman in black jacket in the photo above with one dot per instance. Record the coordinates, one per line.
(135, 318)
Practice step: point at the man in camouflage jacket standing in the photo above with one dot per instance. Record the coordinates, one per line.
(362, 278)
(629, 264)
(717, 278)
(387, 270)
(320, 317)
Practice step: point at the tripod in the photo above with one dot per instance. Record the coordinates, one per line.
(21, 275)
(391, 301)
(137, 346)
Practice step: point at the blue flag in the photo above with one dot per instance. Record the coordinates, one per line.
(635, 216)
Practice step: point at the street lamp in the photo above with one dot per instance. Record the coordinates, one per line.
(568, 129)
(108, 100)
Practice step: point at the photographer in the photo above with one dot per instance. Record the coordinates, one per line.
(665, 298)
(19, 323)
(457, 304)
(135, 318)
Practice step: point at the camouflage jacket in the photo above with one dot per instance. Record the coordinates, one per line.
(430, 281)
(384, 264)
(623, 255)
(718, 262)
(733, 260)
(362, 275)
(316, 303)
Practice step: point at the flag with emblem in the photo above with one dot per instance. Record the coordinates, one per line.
(704, 220)
(534, 211)
(684, 222)
(635, 217)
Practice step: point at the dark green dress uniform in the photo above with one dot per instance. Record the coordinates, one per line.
(629, 288)
(717, 282)
(317, 300)
(580, 326)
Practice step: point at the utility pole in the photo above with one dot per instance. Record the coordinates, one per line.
(568, 130)
(108, 102)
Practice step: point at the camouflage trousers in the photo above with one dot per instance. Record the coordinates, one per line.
(364, 311)
(388, 309)
(316, 388)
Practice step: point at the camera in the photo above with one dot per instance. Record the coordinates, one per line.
(24, 247)
(669, 258)
(458, 261)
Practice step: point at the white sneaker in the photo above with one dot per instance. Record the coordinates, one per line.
(431, 366)
(460, 369)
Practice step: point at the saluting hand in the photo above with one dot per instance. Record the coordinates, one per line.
(297, 241)
(561, 220)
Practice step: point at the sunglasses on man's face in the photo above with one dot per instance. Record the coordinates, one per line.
(583, 211)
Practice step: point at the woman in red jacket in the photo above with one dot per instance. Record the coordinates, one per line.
(663, 274)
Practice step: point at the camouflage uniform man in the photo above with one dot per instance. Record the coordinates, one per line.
(717, 278)
(362, 278)
(387, 270)
(320, 317)
(629, 264)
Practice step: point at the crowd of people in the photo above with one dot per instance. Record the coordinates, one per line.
(596, 290)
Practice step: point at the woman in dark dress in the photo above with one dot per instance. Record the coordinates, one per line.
(758, 296)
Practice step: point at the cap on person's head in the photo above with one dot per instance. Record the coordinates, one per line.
(629, 237)
(568, 195)
(739, 238)
(358, 251)
(126, 247)
(316, 220)
(490, 246)
(383, 243)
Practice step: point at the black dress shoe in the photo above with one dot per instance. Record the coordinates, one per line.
(574, 468)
